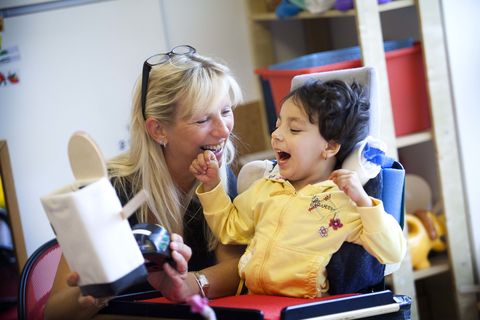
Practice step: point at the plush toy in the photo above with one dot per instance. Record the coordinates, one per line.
(425, 233)
(435, 227)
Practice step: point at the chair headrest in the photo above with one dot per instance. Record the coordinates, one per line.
(365, 76)
(358, 160)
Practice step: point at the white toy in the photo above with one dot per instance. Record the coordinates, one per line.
(92, 227)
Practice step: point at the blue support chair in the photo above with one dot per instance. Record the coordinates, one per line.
(352, 269)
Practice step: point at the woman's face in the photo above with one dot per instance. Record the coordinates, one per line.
(209, 131)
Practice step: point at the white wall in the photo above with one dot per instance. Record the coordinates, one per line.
(463, 49)
(216, 28)
(77, 70)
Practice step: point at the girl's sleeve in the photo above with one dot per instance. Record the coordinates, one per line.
(381, 234)
(231, 222)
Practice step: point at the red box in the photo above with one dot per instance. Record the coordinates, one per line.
(406, 77)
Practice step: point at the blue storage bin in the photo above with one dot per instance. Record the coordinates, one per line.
(335, 56)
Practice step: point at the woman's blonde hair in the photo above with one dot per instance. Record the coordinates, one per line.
(195, 83)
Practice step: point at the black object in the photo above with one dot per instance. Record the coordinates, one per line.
(153, 241)
(132, 305)
(363, 306)
(397, 307)
(118, 286)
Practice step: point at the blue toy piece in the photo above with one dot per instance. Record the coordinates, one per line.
(287, 8)
(344, 5)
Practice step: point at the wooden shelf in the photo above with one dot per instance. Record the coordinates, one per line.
(439, 265)
(415, 138)
(270, 16)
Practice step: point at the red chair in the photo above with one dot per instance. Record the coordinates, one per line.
(37, 279)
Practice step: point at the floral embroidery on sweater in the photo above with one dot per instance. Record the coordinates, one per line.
(326, 203)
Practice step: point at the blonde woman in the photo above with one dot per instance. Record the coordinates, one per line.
(182, 105)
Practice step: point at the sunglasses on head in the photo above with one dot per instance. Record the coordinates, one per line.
(159, 59)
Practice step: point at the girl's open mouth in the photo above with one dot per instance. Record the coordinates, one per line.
(283, 156)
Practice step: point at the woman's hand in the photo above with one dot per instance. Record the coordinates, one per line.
(348, 182)
(66, 301)
(86, 301)
(171, 282)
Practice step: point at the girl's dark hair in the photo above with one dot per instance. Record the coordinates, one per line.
(341, 111)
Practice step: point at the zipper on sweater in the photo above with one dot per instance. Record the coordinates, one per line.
(271, 242)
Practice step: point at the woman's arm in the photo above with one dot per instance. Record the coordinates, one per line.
(66, 300)
(223, 277)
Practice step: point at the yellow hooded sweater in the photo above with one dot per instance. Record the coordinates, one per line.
(291, 235)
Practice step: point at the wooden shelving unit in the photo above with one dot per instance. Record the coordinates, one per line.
(370, 37)
(270, 16)
(13, 215)
(439, 264)
(414, 138)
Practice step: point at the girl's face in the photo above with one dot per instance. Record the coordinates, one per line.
(191, 136)
(298, 146)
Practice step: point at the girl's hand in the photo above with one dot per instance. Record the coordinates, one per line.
(206, 169)
(171, 282)
(348, 182)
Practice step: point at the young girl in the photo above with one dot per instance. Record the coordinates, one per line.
(297, 217)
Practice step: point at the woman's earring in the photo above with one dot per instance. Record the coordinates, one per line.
(163, 143)
(324, 155)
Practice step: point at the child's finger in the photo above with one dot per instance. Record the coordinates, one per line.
(209, 157)
(201, 160)
(194, 169)
(199, 164)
